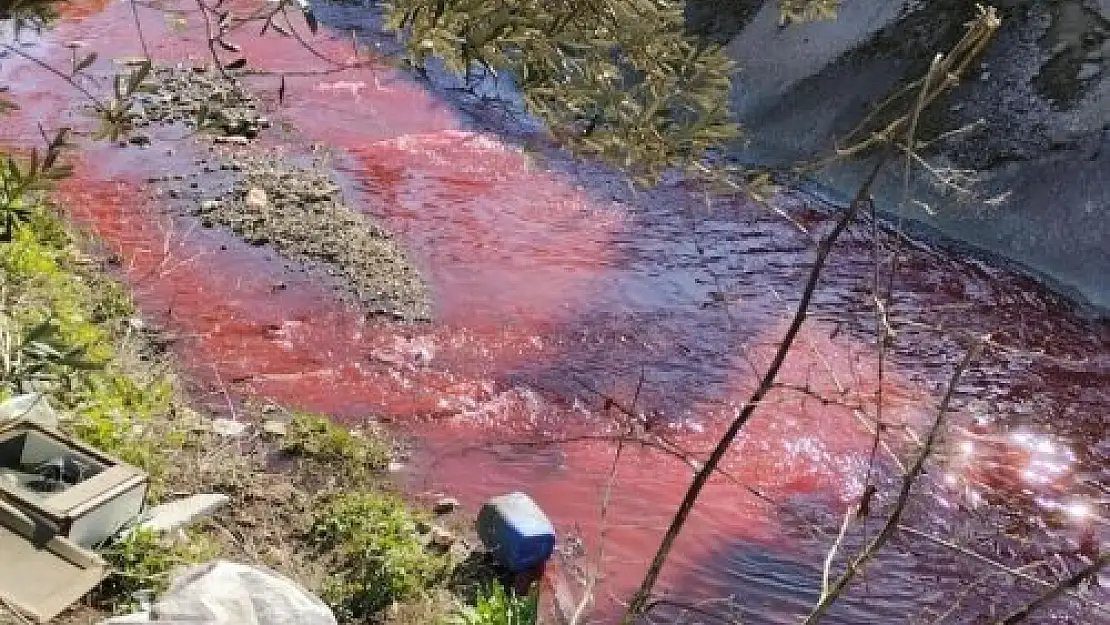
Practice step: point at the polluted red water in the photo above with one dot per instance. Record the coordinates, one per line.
(554, 288)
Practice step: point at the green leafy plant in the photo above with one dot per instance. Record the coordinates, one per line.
(7, 105)
(619, 79)
(36, 357)
(21, 179)
(378, 556)
(117, 115)
(317, 437)
(56, 335)
(34, 14)
(141, 565)
(496, 606)
(115, 413)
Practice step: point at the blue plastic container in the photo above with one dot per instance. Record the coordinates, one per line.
(518, 533)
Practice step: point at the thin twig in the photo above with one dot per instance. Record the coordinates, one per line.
(1015, 572)
(860, 561)
(139, 30)
(949, 71)
(100, 106)
(826, 572)
(1077, 578)
(603, 530)
(212, 38)
(976, 585)
(642, 596)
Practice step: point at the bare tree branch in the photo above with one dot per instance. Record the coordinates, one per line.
(860, 561)
(642, 596)
(1071, 582)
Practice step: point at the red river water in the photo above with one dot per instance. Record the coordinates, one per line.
(554, 285)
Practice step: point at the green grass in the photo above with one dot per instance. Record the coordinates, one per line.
(496, 606)
(76, 319)
(62, 328)
(379, 558)
(66, 328)
(142, 563)
(352, 452)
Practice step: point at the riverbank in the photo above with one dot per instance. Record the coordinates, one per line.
(309, 499)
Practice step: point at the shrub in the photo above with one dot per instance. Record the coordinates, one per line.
(141, 565)
(378, 555)
(316, 437)
(496, 606)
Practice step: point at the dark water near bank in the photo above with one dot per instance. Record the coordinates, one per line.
(555, 285)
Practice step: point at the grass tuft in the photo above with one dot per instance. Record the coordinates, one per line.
(497, 606)
(68, 331)
(318, 438)
(142, 563)
(378, 556)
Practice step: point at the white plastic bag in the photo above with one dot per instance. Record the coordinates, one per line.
(226, 593)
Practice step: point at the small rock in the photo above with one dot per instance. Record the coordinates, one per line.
(395, 467)
(175, 515)
(441, 538)
(274, 428)
(209, 205)
(229, 428)
(232, 139)
(445, 505)
(1088, 71)
(191, 419)
(257, 198)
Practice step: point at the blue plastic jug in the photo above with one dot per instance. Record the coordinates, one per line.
(517, 531)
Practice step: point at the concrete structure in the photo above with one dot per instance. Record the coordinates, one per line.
(1042, 154)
